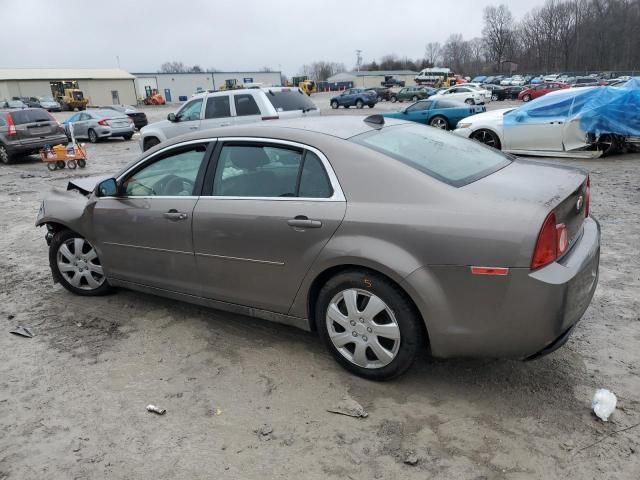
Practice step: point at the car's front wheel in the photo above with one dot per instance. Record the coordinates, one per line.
(368, 324)
(75, 264)
(359, 104)
(334, 104)
(153, 141)
(487, 137)
(494, 97)
(394, 99)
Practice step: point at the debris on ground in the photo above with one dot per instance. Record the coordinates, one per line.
(411, 459)
(217, 412)
(22, 331)
(154, 409)
(603, 404)
(264, 432)
(349, 407)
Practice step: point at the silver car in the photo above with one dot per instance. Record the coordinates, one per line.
(229, 107)
(99, 124)
(385, 238)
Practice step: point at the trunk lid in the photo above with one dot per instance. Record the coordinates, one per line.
(536, 189)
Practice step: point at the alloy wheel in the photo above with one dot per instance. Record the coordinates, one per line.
(363, 328)
(488, 138)
(78, 263)
(439, 122)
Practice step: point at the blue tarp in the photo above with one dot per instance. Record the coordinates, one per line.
(596, 110)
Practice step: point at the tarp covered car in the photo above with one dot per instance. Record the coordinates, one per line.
(585, 122)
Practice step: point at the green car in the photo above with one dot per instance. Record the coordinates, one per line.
(409, 93)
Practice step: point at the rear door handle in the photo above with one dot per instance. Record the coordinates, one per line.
(301, 221)
(175, 215)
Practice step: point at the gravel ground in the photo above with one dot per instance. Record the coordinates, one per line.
(248, 399)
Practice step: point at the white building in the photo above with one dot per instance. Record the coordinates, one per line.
(178, 87)
(99, 86)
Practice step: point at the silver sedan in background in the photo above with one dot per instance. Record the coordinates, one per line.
(385, 237)
(95, 125)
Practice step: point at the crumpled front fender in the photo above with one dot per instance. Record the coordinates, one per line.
(67, 208)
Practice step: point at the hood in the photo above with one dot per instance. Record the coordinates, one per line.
(86, 185)
(162, 124)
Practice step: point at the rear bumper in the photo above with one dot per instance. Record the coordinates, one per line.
(104, 132)
(26, 146)
(521, 315)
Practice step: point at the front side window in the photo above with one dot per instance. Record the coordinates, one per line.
(246, 105)
(172, 175)
(217, 107)
(269, 171)
(419, 106)
(191, 111)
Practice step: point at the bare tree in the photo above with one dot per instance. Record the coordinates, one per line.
(321, 71)
(456, 52)
(433, 53)
(498, 33)
(172, 67)
(266, 69)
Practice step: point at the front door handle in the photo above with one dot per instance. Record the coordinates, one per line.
(175, 215)
(302, 221)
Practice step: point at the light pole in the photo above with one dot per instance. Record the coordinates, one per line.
(358, 62)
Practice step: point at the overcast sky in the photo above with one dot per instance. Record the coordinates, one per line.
(229, 34)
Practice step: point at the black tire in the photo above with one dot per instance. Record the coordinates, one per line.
(71, 164)
(60, 238)
(371, 105)
(60, 164)
(415, 98)
(394, 99)
(82, 163)
(127, 137)
(487, 137)
(93, 136)
(4, 155)
(608, 144)
(494, 97)
(150, 143)
(439, 122)
(469, 101)
(526, 98)
(379, 98)
(52, 166)
(359, 104)
(407, 318)
(334, 104)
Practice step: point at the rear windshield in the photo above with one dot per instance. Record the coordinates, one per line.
(287, 100)
(442, 155)
(20, 117)
(108, 113)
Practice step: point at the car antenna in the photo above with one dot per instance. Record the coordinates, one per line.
(377, 120)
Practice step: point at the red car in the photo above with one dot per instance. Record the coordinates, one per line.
(536, 91)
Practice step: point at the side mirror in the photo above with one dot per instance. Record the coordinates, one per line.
(107, 188)
(519, 117)
(172, 117)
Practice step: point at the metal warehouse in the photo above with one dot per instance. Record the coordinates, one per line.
(370, 79)
(99, 86)
(178, 87)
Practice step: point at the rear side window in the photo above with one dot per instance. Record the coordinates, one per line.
(270, 171)
(288, 100)
(217, 107)
(30, 116)
(441, 155)
(246, 105)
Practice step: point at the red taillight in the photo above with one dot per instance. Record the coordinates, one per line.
(546, 249)
(103, 122)
(587, 197)
(12, 127)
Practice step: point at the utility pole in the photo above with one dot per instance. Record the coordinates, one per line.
(359, 62)
(118, 60)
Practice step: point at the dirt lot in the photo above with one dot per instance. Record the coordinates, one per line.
(247, 399)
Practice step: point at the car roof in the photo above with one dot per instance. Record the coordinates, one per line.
(338, 126)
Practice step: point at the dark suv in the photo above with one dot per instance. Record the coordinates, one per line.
(26, 131)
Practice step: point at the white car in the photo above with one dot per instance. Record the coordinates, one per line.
(551, 78)
(518, 81)
(468, 95)
(478, 87)
(211, 109)
(541, 131)
(506, 81)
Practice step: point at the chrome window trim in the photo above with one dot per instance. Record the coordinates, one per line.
(338, 195)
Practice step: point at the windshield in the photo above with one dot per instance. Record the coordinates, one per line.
(287, 100)
(441, 155)
(47, 99)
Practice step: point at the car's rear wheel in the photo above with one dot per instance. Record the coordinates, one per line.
(75, 264)
(526, 98)
(469, 101)
(359, 104)
(494, 97)
(153, 141)
(93, 136)
(439, 122)
(334, 104)
(368, 324)
(4, 155)
(394, 99)
(487, 137)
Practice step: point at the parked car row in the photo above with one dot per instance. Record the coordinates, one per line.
(47, 103)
